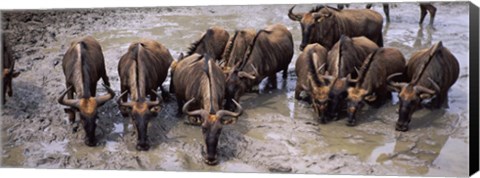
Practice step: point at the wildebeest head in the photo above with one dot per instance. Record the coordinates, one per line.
(319, 94)
(141, 112)
(236, 84)
(410, 98)
(8, 75)
(411, 94)
(316, 25)
(338, 93)
(212, 123)
(8, 69)
(87, 107)
(357, 95)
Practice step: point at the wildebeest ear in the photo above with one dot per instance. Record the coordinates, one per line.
(15, 74)
(425, 96)
(371, 98)
(180, 56)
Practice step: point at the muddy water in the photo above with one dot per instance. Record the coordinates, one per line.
(275, 134)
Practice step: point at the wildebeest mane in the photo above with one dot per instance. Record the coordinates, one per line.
(424, 65)
(228, 49)
(193, 47)
(85, 70)
(364, 69)
(207, 70)
(320, 7)
(250, 48)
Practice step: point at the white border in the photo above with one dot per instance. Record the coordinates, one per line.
(73, 173)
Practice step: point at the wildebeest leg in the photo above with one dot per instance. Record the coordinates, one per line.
(123, 109)
(285, 73)
(423, 13)
(180, 106)
(386, 9)
(433, 10)
(105, 79)
(272, 81)
(71, 111)
(298, 90)
(165, 94)
(440, 101)
(382, 98)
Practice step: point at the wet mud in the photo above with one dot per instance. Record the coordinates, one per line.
(276, 133)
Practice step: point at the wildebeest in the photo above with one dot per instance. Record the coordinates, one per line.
(431, 73)
(202, 83)
(142, 71)
(8, 69)
(346, 55)
(270, 52)
(310, 69)
(83, 65)
(314, 55)
(237, 47)
(371, 83)
(424, 7)
(212, 42)
(325, 25)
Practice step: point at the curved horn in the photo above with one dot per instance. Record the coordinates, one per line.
(435, 85)
(397, 85)
(155, 103)
(292, 16)
(357, 71)
(200, 112)
(423, 89)
(349, 79)
(121, 103)
(370, 98)
(68, 102)
(247, 75)
(222, 113)
(328, 77)
(102, 99)
(254, 69)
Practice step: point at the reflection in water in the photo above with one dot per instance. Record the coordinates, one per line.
(426, 42)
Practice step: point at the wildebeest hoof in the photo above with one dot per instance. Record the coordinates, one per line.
(142, 147)
(401, 128)
(90, 143)
(322, 120)
(74, 128)
(351, 123)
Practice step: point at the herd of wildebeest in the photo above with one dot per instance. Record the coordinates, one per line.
(342, 66)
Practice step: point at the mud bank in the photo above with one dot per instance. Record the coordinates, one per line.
(276, 133)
